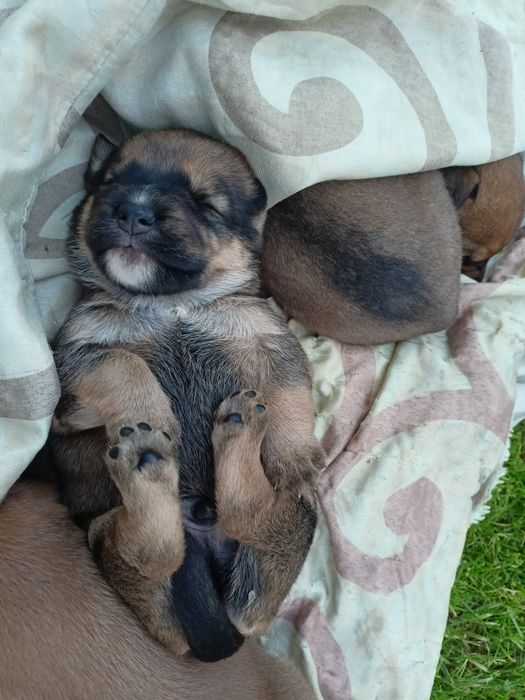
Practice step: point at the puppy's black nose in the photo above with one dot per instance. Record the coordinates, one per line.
(135, 218)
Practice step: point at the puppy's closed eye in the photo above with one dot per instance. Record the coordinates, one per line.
(205, 202)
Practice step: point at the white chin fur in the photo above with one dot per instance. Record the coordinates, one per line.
(130, 268)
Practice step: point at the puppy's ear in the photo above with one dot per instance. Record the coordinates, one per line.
(102, 149)
(260, 202)
(462, 184)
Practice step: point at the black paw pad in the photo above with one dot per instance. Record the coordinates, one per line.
(144, 426)
(260, 408)
(234, 419)
(148, 457)
(125, 431)
(250, 394)
(113, 453)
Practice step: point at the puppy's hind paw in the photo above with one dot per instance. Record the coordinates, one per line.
(139, 453)
(243, 411)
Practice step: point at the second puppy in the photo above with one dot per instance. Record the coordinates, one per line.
(378, 260)
(184, 435)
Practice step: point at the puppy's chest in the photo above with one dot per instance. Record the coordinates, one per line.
(199, 361)
(208, 351)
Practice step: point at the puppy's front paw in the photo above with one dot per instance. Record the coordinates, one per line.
(140, 453)
(243, 411)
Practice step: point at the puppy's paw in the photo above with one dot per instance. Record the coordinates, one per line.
(243, 411)
(140, 453)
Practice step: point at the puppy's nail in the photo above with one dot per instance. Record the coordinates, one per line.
(166, 436)
(148, 457)
(144, 426)
(260, 408)
(114, 452)
(250, 394)
(234, 418)
(235, 393)
(125, 431)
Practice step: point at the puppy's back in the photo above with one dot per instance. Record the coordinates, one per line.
(366, 261)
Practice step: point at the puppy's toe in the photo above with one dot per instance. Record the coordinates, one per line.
(243, 410)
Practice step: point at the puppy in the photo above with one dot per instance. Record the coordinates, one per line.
(366, 261)
(373, 261)
(184, 435)
(490, 200)
(65, 634)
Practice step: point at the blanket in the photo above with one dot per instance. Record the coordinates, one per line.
(415, 433)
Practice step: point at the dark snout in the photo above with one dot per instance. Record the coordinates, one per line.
(135, 218)
(197, 591)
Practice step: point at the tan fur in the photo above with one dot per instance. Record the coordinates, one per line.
(105, 390)
(489, 220)
(65, 634)
(253, 504)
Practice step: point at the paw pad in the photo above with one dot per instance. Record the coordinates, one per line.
(148, 458)
(234, 418)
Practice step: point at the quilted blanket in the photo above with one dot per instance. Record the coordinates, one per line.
(415, 432)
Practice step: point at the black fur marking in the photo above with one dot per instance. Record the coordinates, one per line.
(136, 175)
(387, 287)
(197, 592)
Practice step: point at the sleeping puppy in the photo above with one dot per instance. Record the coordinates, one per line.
(366, 261)
(373, 261)
(490, 200)
(65, 635)
(184, 435)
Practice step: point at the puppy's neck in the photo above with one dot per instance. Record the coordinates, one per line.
(245, 283)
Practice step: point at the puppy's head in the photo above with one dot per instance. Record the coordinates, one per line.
(490, 200)
(168, 212)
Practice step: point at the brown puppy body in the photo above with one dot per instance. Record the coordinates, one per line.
(65, 634)
(366, 261)
(184, 436)
(491, 204)
(372, 261)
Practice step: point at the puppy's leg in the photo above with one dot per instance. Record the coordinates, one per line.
(146, 531)
(268, 505)
(110, 388)
(139, 543)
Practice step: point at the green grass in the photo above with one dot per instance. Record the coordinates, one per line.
(483, 654)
